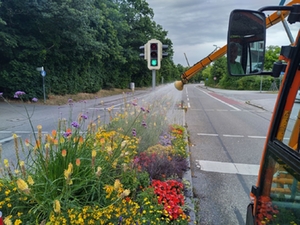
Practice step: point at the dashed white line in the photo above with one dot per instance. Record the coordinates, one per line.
(205, 134)
(256, 136)
(230, 135)
(226, 167)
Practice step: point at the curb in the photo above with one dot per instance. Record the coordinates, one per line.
(257, 106)
(188, 178)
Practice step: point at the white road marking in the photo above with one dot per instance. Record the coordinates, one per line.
(256, 136)
(237, 109)
(231, 135)
(205, 134)
(6, 139)
(226, 167)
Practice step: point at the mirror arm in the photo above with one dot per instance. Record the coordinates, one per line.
(276, 8)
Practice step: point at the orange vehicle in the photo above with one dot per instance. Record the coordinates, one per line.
(275, 199)
(276, 195)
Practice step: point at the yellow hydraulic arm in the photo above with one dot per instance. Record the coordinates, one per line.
(271, 20)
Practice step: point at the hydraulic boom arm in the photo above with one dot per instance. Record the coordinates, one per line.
(271, 20)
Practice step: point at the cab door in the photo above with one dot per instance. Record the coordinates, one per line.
(277, 193)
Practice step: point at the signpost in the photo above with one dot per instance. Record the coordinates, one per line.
(43, 73)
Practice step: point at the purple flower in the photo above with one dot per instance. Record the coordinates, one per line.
(144, 124)
(83, 116)
(75, 124)
(133, 132)
(1, 94)
(134, 103)
(120, 220)
(34, 99)
(143, 109)
(67, 134)
(19, 93)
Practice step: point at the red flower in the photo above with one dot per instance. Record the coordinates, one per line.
(170, 195)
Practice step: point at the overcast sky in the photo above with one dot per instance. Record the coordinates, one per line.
(196, 27)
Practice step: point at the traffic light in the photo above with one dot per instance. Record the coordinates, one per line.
(144, 49)
(164, 47)
(154, 54)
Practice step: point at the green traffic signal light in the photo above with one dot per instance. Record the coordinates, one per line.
(153, 62)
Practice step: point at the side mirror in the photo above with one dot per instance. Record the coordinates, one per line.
(246, 42)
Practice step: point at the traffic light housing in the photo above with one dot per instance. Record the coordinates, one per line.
(154, 54)
(144, 49)
(152, 51)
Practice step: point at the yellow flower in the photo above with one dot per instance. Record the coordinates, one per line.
(30, 180)
(68, 172)
(108, 189)
(117, 184)
(98, 173)
(6, 164)
(17, 222)
(7, 220)
(56, 206)
(94, 153)
(23, 186)
(125, 193)
(22, 163)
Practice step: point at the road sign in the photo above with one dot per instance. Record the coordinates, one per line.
(43, 73)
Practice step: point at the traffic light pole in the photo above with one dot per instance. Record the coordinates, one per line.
(153, 79)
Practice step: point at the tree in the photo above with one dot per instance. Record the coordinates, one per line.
(271, 56)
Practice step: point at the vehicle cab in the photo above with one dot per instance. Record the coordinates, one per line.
(275, 198)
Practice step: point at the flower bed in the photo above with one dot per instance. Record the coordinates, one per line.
(126, 172)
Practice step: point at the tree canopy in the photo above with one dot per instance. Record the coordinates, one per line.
(84, 45)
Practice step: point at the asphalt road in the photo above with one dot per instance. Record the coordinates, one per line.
(227, 132)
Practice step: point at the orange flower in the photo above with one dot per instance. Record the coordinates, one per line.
(54, 133)
(78, 162)
(27, 142)
(37, 145)
(64, 153)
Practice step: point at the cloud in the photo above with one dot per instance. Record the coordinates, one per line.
(196, 26)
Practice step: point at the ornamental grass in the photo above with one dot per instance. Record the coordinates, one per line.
(86, 172)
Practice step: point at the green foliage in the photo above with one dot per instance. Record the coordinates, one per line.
(83, 45)
(271, 56)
